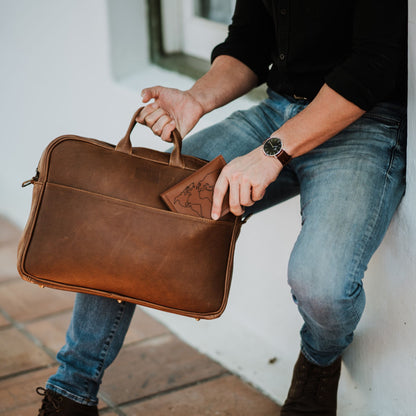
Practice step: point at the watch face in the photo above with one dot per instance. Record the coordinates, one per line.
(272, 146)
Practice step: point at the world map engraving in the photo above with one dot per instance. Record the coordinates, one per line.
(197, 196)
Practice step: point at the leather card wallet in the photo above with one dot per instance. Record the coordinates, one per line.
(193, 195)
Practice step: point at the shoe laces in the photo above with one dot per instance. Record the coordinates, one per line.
(51, 403)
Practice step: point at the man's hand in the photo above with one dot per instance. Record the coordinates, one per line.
(171, 109)
(227, 79)
(247, 178)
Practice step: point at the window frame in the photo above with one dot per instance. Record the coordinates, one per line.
(174, 61)
(180, 62)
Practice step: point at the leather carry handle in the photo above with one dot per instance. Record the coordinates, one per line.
(175, 159)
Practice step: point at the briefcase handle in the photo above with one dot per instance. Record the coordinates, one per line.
(176, 158)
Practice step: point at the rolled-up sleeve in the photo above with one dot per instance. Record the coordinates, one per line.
(249, 38)
(370, 73)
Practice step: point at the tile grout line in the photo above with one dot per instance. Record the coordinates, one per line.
(22, 329)
(111, 405)
(149, 339)
(43, 317)
(25, 372)
(169, 391)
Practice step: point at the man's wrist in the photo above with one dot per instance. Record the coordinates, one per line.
(198, 102)
(202, 99)
(270, 162)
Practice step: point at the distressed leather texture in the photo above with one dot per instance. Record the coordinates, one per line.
(98, 225)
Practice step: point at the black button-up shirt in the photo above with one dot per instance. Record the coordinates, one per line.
(357, 47)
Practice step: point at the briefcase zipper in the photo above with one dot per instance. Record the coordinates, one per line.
(31, 181)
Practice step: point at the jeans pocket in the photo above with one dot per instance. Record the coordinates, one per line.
(388, 114)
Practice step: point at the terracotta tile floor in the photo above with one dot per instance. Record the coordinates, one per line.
(155, 373)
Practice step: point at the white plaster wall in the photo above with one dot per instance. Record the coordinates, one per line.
(60, 61)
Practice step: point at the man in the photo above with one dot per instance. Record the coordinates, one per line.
(332, 129)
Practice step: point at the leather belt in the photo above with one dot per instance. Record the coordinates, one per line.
(298, 97)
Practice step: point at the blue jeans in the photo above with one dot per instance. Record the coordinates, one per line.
(349, 189)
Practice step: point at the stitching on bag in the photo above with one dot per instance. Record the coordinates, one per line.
(135, 204)
(113, 295)
(111, 147)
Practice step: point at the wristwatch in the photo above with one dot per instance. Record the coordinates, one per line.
(273, 147)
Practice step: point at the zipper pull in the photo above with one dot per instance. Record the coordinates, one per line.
(31, 181)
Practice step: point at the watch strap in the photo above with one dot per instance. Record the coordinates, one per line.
(283, 157)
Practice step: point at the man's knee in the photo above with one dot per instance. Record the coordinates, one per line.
(325, 290)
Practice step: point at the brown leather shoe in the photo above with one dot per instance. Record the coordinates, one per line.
(55, 404)
(313, 391)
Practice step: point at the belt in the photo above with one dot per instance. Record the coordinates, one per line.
(298, 97)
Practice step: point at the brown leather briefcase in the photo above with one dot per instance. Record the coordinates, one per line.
(98, 225)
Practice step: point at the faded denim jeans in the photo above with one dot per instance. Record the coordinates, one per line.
(349, 189)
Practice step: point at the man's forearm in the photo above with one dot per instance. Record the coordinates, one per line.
(248, 176)
(323, 118)
(227, 79)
